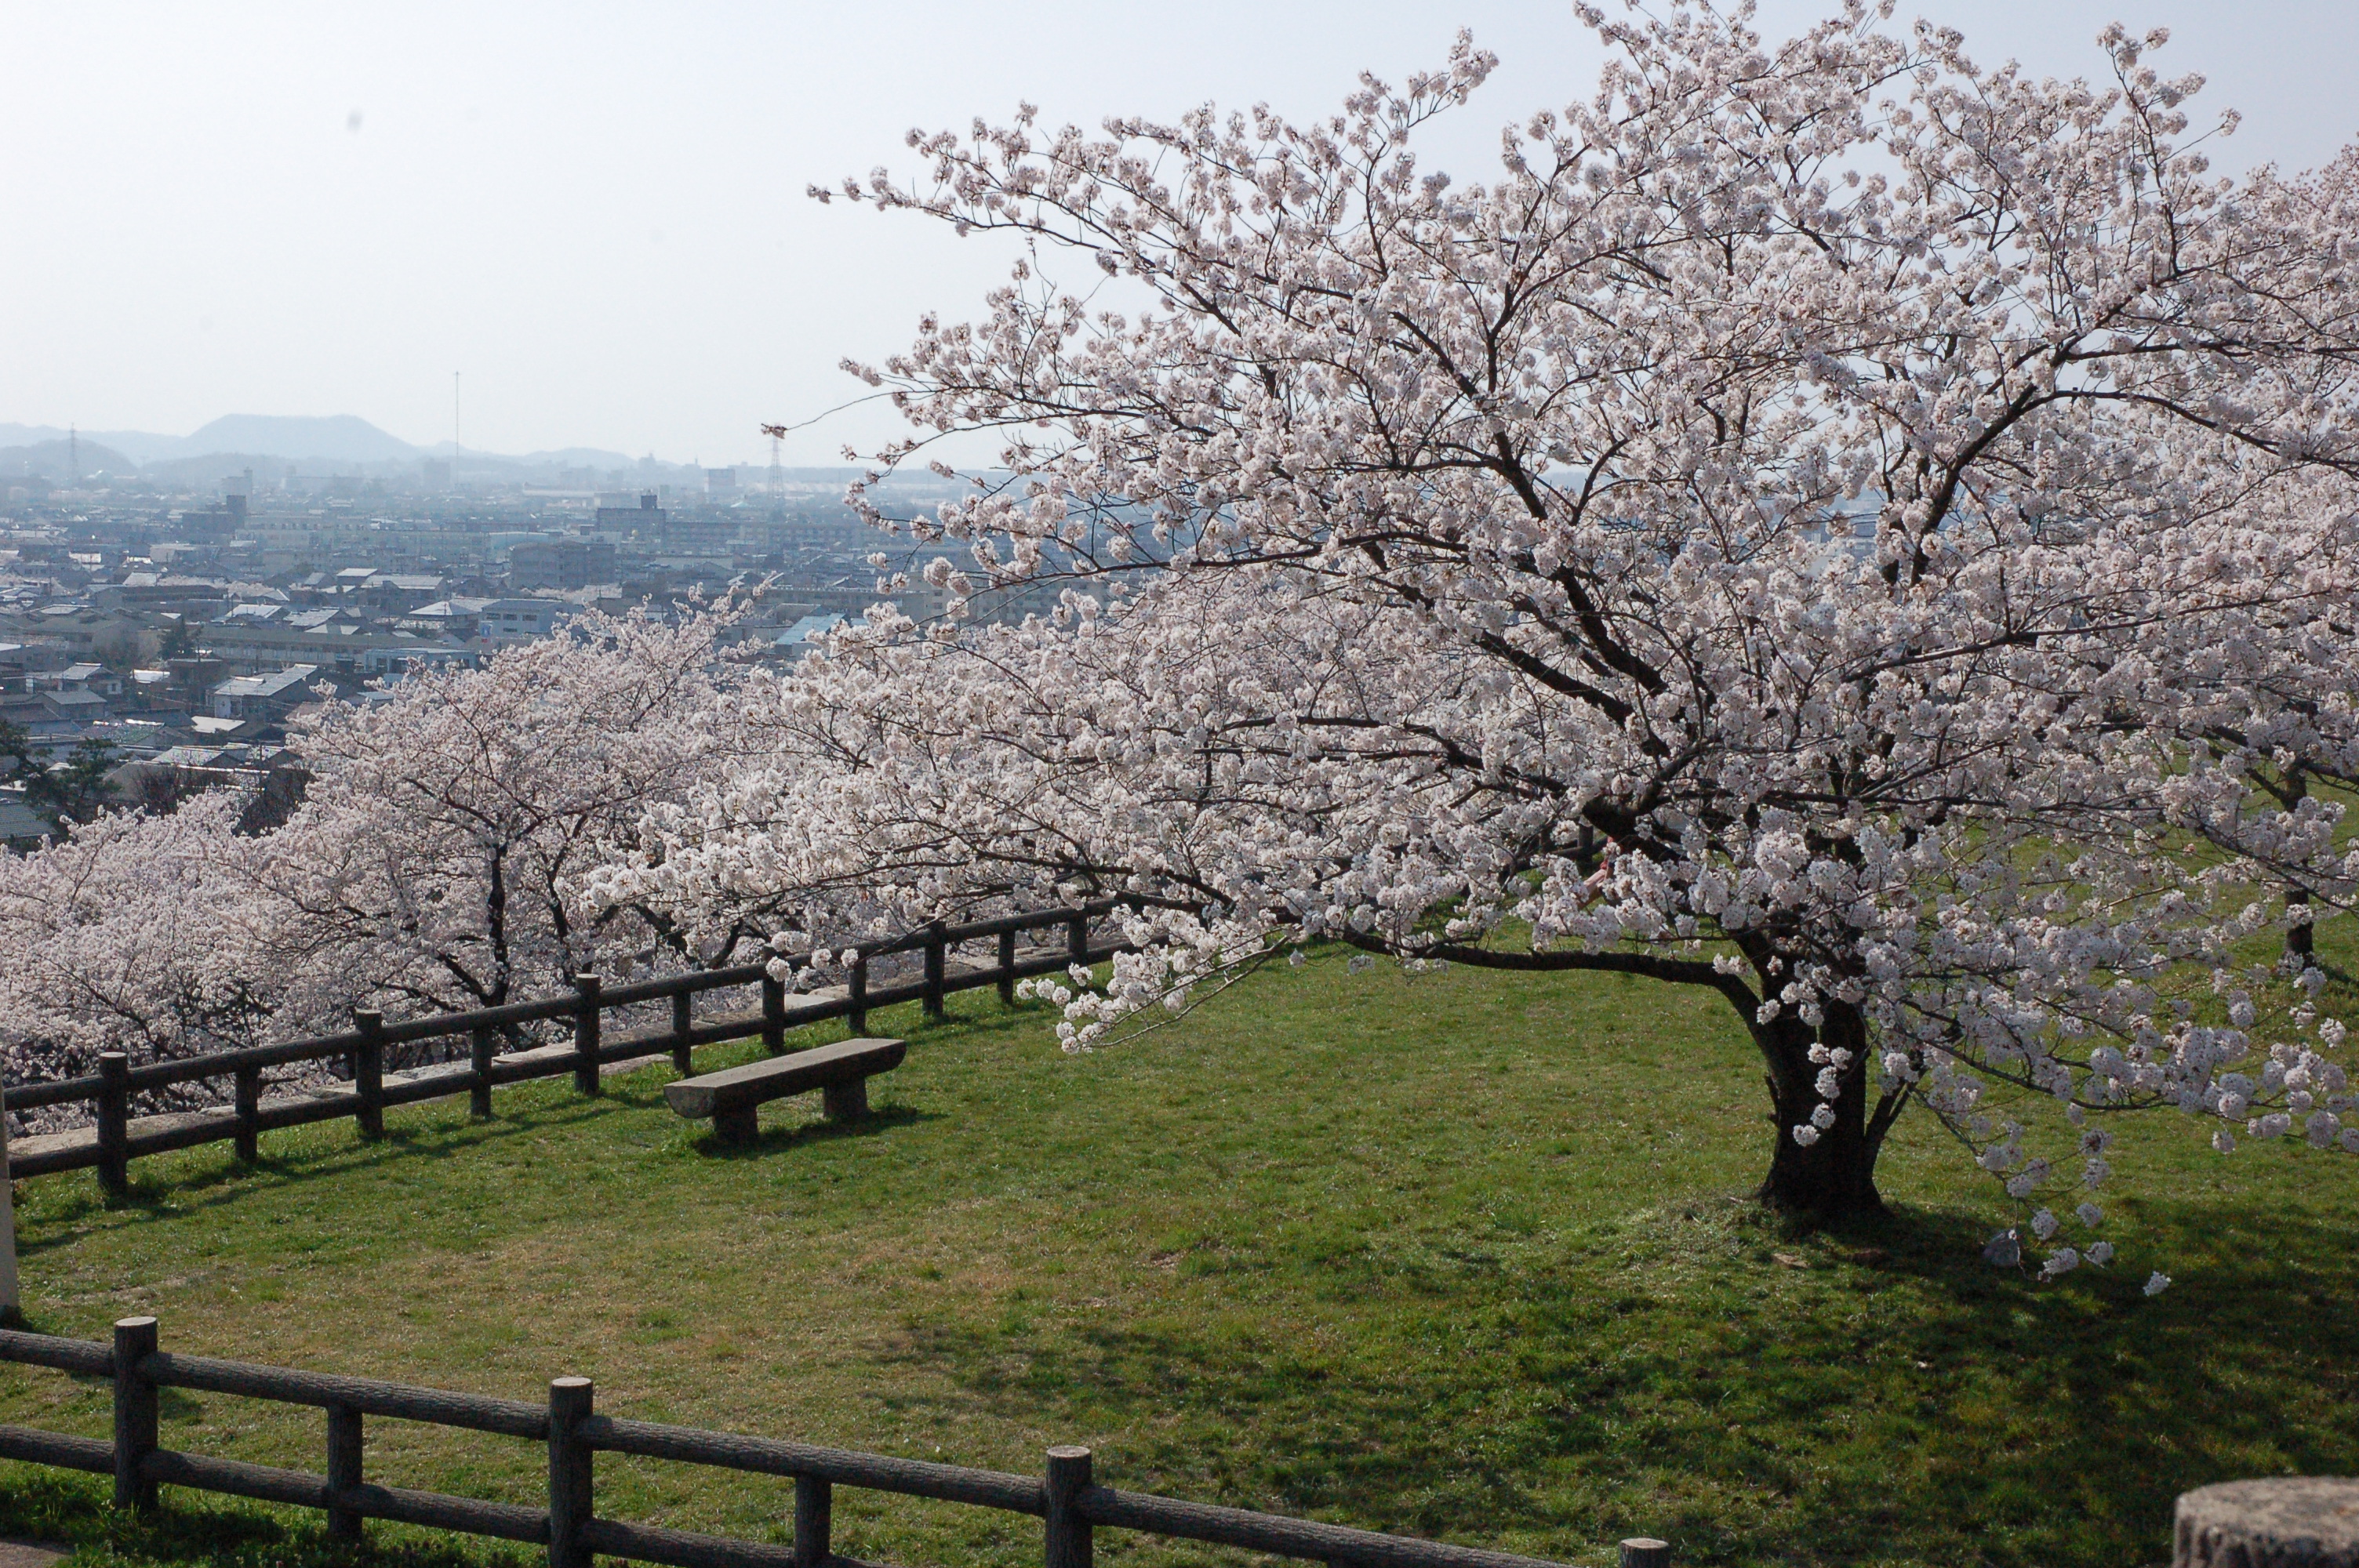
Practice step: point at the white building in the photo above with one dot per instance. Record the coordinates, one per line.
(520, 620)
(273, 695)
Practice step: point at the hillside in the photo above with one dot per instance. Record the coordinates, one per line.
(1460, 1254)
(56, 460)
(337, 438)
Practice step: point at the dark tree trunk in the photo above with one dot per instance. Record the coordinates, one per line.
(496, 929)
(2300, 940)
(1834, 1178)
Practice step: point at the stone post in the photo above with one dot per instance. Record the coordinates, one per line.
(2296, 1521)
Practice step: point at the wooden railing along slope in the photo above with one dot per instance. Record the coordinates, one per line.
(117, 1137)
(1065, 1497)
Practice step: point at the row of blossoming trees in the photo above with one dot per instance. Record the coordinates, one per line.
(1868, 536)
(426, 868)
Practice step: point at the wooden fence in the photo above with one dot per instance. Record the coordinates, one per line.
(116, 1138)
(1065, 1497)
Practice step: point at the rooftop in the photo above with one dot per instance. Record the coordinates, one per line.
(19, 821)
(276, 684)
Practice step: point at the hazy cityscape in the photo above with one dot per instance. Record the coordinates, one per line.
(167, 604)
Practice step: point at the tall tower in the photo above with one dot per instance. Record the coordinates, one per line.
(778, 474)
(73, 453)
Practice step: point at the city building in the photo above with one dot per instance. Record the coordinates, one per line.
(792, 644)
(269, 698)
(520, 620)
(560, 564)
(22, 828)
(621, 510)
(81, 677)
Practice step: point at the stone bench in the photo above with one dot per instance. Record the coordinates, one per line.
(732, 1096)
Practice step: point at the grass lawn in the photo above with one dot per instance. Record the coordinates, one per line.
(1461, 1255)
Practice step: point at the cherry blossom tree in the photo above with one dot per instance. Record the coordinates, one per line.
(430, 863)
(133, 933)
(1827, 523)
(426, 868)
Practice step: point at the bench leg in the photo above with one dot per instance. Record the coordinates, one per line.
(735, 1126)
(846, 1102)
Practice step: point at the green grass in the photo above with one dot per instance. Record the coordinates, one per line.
(1462, 1255)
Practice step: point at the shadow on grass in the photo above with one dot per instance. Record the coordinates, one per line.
(776, 1140)
(1701, 1373)
(153, 1197)
(65, 1218)
(75, 1511)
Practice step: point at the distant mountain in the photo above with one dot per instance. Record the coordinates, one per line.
(258, 440)
(204, 471)
(337, 438)
(565, 457)
(55, 460)
(139, 446)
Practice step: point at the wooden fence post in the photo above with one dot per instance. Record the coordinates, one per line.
(570, 1496)
(1646, 1551)
(114, 1120)
(585, 1033)
(249, 1114)
(135, 1412)
(9, 1306)
(344, 1469)
(368, 1072)
(856, 988)
(1077, 938)
(479, 1062)
(683, 1019)
(1007, 968)
(1068, 1541)
(814, 1511)
(774, 1014)
(936, 954)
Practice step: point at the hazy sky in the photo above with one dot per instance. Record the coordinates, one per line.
(596, 212)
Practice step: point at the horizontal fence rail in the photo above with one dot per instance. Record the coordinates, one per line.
(118, 1139)
(1065, 1497)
